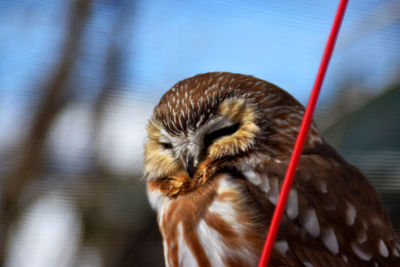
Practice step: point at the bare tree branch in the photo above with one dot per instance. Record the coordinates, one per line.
(28, 166)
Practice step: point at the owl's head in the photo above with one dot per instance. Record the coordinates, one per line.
(219, 120)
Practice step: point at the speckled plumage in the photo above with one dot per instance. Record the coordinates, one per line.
(217, 150)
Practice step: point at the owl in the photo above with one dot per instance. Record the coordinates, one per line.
(216, 154)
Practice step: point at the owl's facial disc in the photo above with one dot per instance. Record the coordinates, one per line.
(192, 147)
(188, 153)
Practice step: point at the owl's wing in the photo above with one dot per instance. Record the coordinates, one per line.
(333, 216)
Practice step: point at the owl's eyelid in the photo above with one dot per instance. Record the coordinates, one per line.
(209, 138)
(165, 142)
(219, 124)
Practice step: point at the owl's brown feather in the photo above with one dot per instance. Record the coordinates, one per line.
(327, 184)
(217, 151)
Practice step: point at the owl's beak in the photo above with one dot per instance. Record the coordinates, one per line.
(191, 166)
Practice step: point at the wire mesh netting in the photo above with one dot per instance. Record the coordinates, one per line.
(79, 80)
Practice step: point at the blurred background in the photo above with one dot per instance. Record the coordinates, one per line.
(79, 79)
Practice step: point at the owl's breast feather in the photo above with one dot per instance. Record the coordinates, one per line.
(209, 227)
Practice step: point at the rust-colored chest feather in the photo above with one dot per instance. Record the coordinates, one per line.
(212, 226)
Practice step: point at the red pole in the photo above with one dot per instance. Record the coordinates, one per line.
(298, 147)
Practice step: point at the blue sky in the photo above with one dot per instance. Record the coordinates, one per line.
(278, 41)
